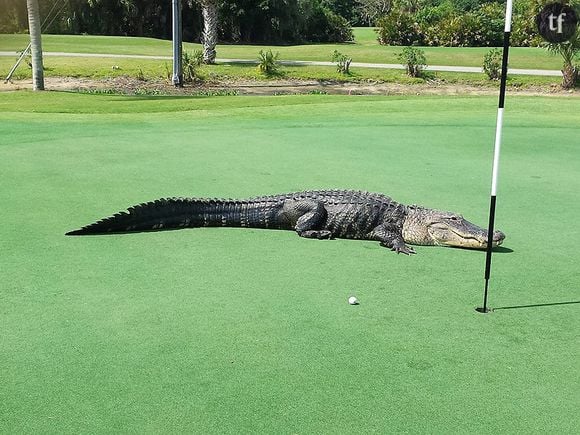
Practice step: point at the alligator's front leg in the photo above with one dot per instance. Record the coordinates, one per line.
(391, 238)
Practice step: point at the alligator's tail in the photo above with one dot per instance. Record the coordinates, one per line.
(175, 213)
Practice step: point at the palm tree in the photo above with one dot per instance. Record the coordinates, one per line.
(209, 10)
(34, 26)
(569, 51)
(370, 10)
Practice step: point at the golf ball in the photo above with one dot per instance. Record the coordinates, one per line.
(353, 300)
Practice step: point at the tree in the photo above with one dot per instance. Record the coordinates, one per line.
(209, 36)
(344, 8)
(34, 26)
(569, 51)
(371, 10)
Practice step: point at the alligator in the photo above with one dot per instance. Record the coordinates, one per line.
(318, 214)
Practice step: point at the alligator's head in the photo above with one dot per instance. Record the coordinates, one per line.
(425, 226)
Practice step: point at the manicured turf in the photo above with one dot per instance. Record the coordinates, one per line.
(365, 48)
(104, 68)
(244, 331)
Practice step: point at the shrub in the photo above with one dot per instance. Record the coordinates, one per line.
(337, 28)
(485, 26)
(399, 28)
(141, 75)
(524, 27)
(492, 64)
(444, 25)
(342, 62)
(323, 25)
(168, 71)
(444, 35)
(414, 61)
(479, 28)
(191, 62)
(268, 62)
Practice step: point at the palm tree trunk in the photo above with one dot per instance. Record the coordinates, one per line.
(569, 76)
(209, 10)
(34, 27)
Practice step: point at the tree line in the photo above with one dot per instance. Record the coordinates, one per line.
(400, 22)
(247, 21)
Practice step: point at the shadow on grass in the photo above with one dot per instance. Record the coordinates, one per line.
(118, 95)
(496, 250)
(552, 304)
(502, 250)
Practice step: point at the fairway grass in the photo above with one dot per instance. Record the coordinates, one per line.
(159, 70)
(365, 48)
(242, 331)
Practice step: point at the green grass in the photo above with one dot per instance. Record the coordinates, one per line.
(245, 331)
(364, 49)
(104, 68)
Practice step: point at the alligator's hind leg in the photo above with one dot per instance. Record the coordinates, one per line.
(312, 218)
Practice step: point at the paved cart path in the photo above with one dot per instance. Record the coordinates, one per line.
(465, 69)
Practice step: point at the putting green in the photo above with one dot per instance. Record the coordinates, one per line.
(240, 330)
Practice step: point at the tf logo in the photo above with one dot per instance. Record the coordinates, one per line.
(557, 22)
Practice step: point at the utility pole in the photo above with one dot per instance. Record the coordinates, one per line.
(177, 78)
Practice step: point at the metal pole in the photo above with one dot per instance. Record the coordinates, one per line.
(24, 53)
(43, 27)
(496, 153)
(177, 78)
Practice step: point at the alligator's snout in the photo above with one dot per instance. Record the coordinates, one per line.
(435, 227)
(498, 238)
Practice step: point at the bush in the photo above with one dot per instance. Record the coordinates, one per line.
(323, 25)
(492, 64)
(444, 35)
(433, 14)
(485, 26)
(399, 28)
(191, 62)
(413, 60)
(445, 25)
(337, 28)
(141, 75)
(480, 28)
(268, 62)
(524, 28)
(342, 62)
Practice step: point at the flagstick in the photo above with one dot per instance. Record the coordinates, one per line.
(496, 153)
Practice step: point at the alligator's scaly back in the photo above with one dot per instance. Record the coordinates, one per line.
(313, 214)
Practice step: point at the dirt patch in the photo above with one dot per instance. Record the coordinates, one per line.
(132, 86)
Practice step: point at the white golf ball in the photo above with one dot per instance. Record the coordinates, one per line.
(353, 300)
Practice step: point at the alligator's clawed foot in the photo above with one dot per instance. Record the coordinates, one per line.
(399, 248)
(407, 250)
(316, 234)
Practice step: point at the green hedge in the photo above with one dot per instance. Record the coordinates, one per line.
(443, 25)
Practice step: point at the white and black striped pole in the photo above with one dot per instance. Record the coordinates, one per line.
(496, 152)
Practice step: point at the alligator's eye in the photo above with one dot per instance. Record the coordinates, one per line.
(454, 218)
